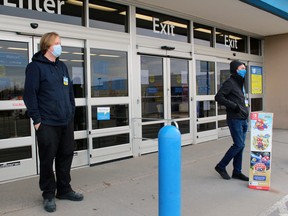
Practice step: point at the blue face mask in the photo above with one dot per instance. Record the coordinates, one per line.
(242, 73)
(57, 50)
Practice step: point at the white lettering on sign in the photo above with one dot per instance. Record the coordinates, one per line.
(230, 42)
(162, 28)
(48, 5)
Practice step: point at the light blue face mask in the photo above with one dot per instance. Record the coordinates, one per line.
(242, 73)
(57, 50)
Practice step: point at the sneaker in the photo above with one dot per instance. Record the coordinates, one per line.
(49, 205)
(223, 173)
(73, 196)
(240, 176)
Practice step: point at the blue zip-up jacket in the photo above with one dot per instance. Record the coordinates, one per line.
(48, 92)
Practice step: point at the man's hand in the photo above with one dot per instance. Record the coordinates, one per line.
(37, 126)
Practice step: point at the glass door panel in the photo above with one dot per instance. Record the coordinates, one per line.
(223, 73)
(109, 106)
(17, 143)
(164, 98)
(152, 88)
(205, 103)
(179, 97)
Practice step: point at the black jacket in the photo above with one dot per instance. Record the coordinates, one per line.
(232, 97)
(48, 92)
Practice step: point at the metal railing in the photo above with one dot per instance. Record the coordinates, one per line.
(165, 121)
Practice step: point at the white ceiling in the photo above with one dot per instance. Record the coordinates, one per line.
(232, 14)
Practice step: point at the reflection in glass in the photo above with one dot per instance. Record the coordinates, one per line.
(80, 119)
(14, 123)
(151, 131)
(223, 73)
(152, 87)
(206, 126)
(222, 123)
(73, 57)
(231, 41)
(206, 109)
(256, 104)
(203, 35)
(255, 46)
(109, 73)
(68, 11)
(179, 88)
(119, 115)
(15, 154)
(174, 28)
(114, 140)
(108, 15)
(80, 144)
(205, 77)
(184, 126)
(13, 61)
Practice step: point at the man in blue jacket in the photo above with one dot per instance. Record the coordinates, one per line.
(232, 96)
(49, 98)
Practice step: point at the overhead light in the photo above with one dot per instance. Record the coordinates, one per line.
(103, 8)
(64, 60)
(234, 37)
(93, 54)
(77, 53)
(203, 30)
(77, 60)
(110, 56)
(75, 2)
(17, 48)
(144, 17)
(230, 36)
(93, 6)
(65, 52)
(175, 24)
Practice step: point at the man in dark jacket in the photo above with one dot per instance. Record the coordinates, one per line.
(232, 96)
(49, 98)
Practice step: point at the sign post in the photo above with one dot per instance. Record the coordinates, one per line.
(261, 150)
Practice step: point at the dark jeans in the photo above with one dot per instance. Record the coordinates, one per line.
(55, 142)
(238, 129)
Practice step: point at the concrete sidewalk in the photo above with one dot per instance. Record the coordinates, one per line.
(129, 187)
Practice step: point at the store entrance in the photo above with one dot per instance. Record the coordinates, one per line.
(165, 98)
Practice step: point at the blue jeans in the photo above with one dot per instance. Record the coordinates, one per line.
(238, 129)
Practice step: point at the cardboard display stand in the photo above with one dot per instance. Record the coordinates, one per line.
(261, 150)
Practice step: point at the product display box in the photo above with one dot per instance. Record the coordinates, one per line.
(261, 150)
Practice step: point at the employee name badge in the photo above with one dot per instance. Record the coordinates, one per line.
(246, 103)
(65, 80)
(246, 100)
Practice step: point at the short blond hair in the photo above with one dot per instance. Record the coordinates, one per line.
(47, 40)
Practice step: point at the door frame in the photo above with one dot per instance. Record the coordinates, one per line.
(113, 152)
(151, 145)
(25, 167)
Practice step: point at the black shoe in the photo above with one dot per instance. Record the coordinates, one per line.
(240, 176)
(49, 205)
(73, 196)
(223, 173)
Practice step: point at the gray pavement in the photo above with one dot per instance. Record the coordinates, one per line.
(129, 187)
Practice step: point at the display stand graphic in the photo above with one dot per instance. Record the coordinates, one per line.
(261, 150)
